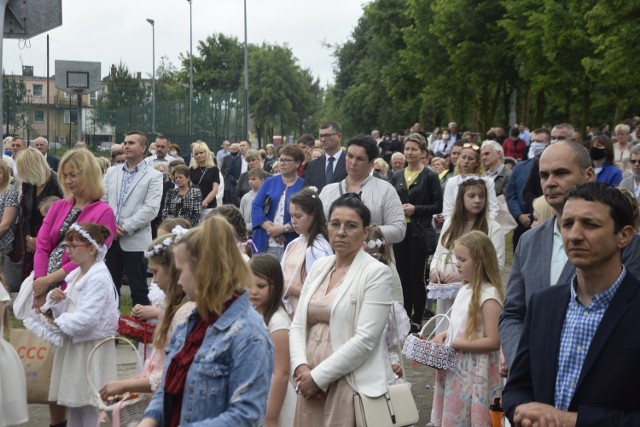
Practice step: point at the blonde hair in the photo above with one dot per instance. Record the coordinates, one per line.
(384, 166)
(484, 257)
(6, 175)
(202, 146)
(104, 164)
(85, 165)
(222, 272)
(479, 170)
(32, 167)
(543, 209)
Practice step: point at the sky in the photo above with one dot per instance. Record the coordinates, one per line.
(111, 31)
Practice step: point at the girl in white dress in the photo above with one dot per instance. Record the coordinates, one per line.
(13, 387)
(86, 312)
(308, 220)
(175, 310)
(265, 297)
(462, 396)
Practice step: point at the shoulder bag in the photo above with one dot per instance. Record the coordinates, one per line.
(393, 409)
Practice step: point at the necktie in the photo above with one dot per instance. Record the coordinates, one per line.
(329, 174)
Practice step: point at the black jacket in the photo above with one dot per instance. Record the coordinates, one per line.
(425, 193)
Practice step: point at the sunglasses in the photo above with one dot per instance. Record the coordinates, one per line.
(474, 147)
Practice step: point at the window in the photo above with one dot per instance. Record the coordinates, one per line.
(37, 91)
(70, 116)
(38, 116)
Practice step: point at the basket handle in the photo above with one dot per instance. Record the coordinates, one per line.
(92, 386)
(444, 316)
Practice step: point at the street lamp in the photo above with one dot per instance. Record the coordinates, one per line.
(190, 73)
(153, 81)
(246, 74)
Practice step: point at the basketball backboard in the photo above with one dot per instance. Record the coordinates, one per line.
(24, 19)
(78, 76)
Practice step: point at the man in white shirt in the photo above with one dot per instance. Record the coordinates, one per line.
(162, 152)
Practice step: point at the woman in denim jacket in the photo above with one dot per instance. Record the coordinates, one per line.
(219, 363)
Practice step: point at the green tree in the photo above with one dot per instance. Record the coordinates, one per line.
(125, 102)
(14, 104)
(282, 96)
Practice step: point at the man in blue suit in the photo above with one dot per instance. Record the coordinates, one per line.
(331, 167)
(515, 187)
(577, 362)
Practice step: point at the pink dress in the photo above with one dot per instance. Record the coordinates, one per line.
(337, 408)
(462, 397)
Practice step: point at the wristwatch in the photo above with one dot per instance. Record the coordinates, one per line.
(287, 228)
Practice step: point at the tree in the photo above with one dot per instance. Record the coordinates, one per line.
(14, 104)
(282, 96)
(125, 102)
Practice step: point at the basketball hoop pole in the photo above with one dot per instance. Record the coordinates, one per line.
(3, 6)
(79, 131)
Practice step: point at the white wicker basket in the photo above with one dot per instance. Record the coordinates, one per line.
(418, 347)
(131, 408)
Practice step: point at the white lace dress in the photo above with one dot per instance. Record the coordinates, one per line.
(13, 387)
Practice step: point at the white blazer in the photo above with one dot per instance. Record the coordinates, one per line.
(141, 204)
(367, 290)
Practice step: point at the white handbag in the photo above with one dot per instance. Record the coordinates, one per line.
(395, 408)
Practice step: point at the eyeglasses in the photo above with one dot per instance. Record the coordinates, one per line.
(349, 227)
(327, 135)
(634, 162)
(474, 147)
(70, 247)
(377, 170)
(285, 161)
(70, 177)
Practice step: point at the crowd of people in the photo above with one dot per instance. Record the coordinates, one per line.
(285, 278)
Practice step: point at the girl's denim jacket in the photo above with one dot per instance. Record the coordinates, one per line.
(229, 379)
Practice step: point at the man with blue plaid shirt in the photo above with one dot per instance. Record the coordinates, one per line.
(578, 359)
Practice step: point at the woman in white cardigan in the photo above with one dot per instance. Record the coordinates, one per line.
(335, 337)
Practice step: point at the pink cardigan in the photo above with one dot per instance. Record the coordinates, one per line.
(48, 238)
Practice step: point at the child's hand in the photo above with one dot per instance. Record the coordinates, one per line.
(440, 338)
(58, 294)
(434, 276)
(450, 277)
(145, 312)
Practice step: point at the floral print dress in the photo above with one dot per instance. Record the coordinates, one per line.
(462, 397)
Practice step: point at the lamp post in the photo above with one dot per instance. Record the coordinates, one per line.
(153, 81)
(246, 75)
(190, 73)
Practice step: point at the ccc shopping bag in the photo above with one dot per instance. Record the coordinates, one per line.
(37, 359)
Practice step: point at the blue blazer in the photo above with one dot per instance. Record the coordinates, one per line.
(610, 174)
(606, 392)
(272, 187)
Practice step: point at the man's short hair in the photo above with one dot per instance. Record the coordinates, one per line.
(544, 131)
(165, 137)
(635, 150)
(307, 140)
(397, 154)
(569, 128)
(366, 142)
(142, 135)
(619, 205)
(331, 124)
(495, 145)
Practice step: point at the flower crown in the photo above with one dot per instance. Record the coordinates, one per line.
(102, 249)
(314, 190)
(178, 231)
(375, 243)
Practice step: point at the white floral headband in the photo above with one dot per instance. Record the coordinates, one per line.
(178, 231)
(375, 243)
(102, 249)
